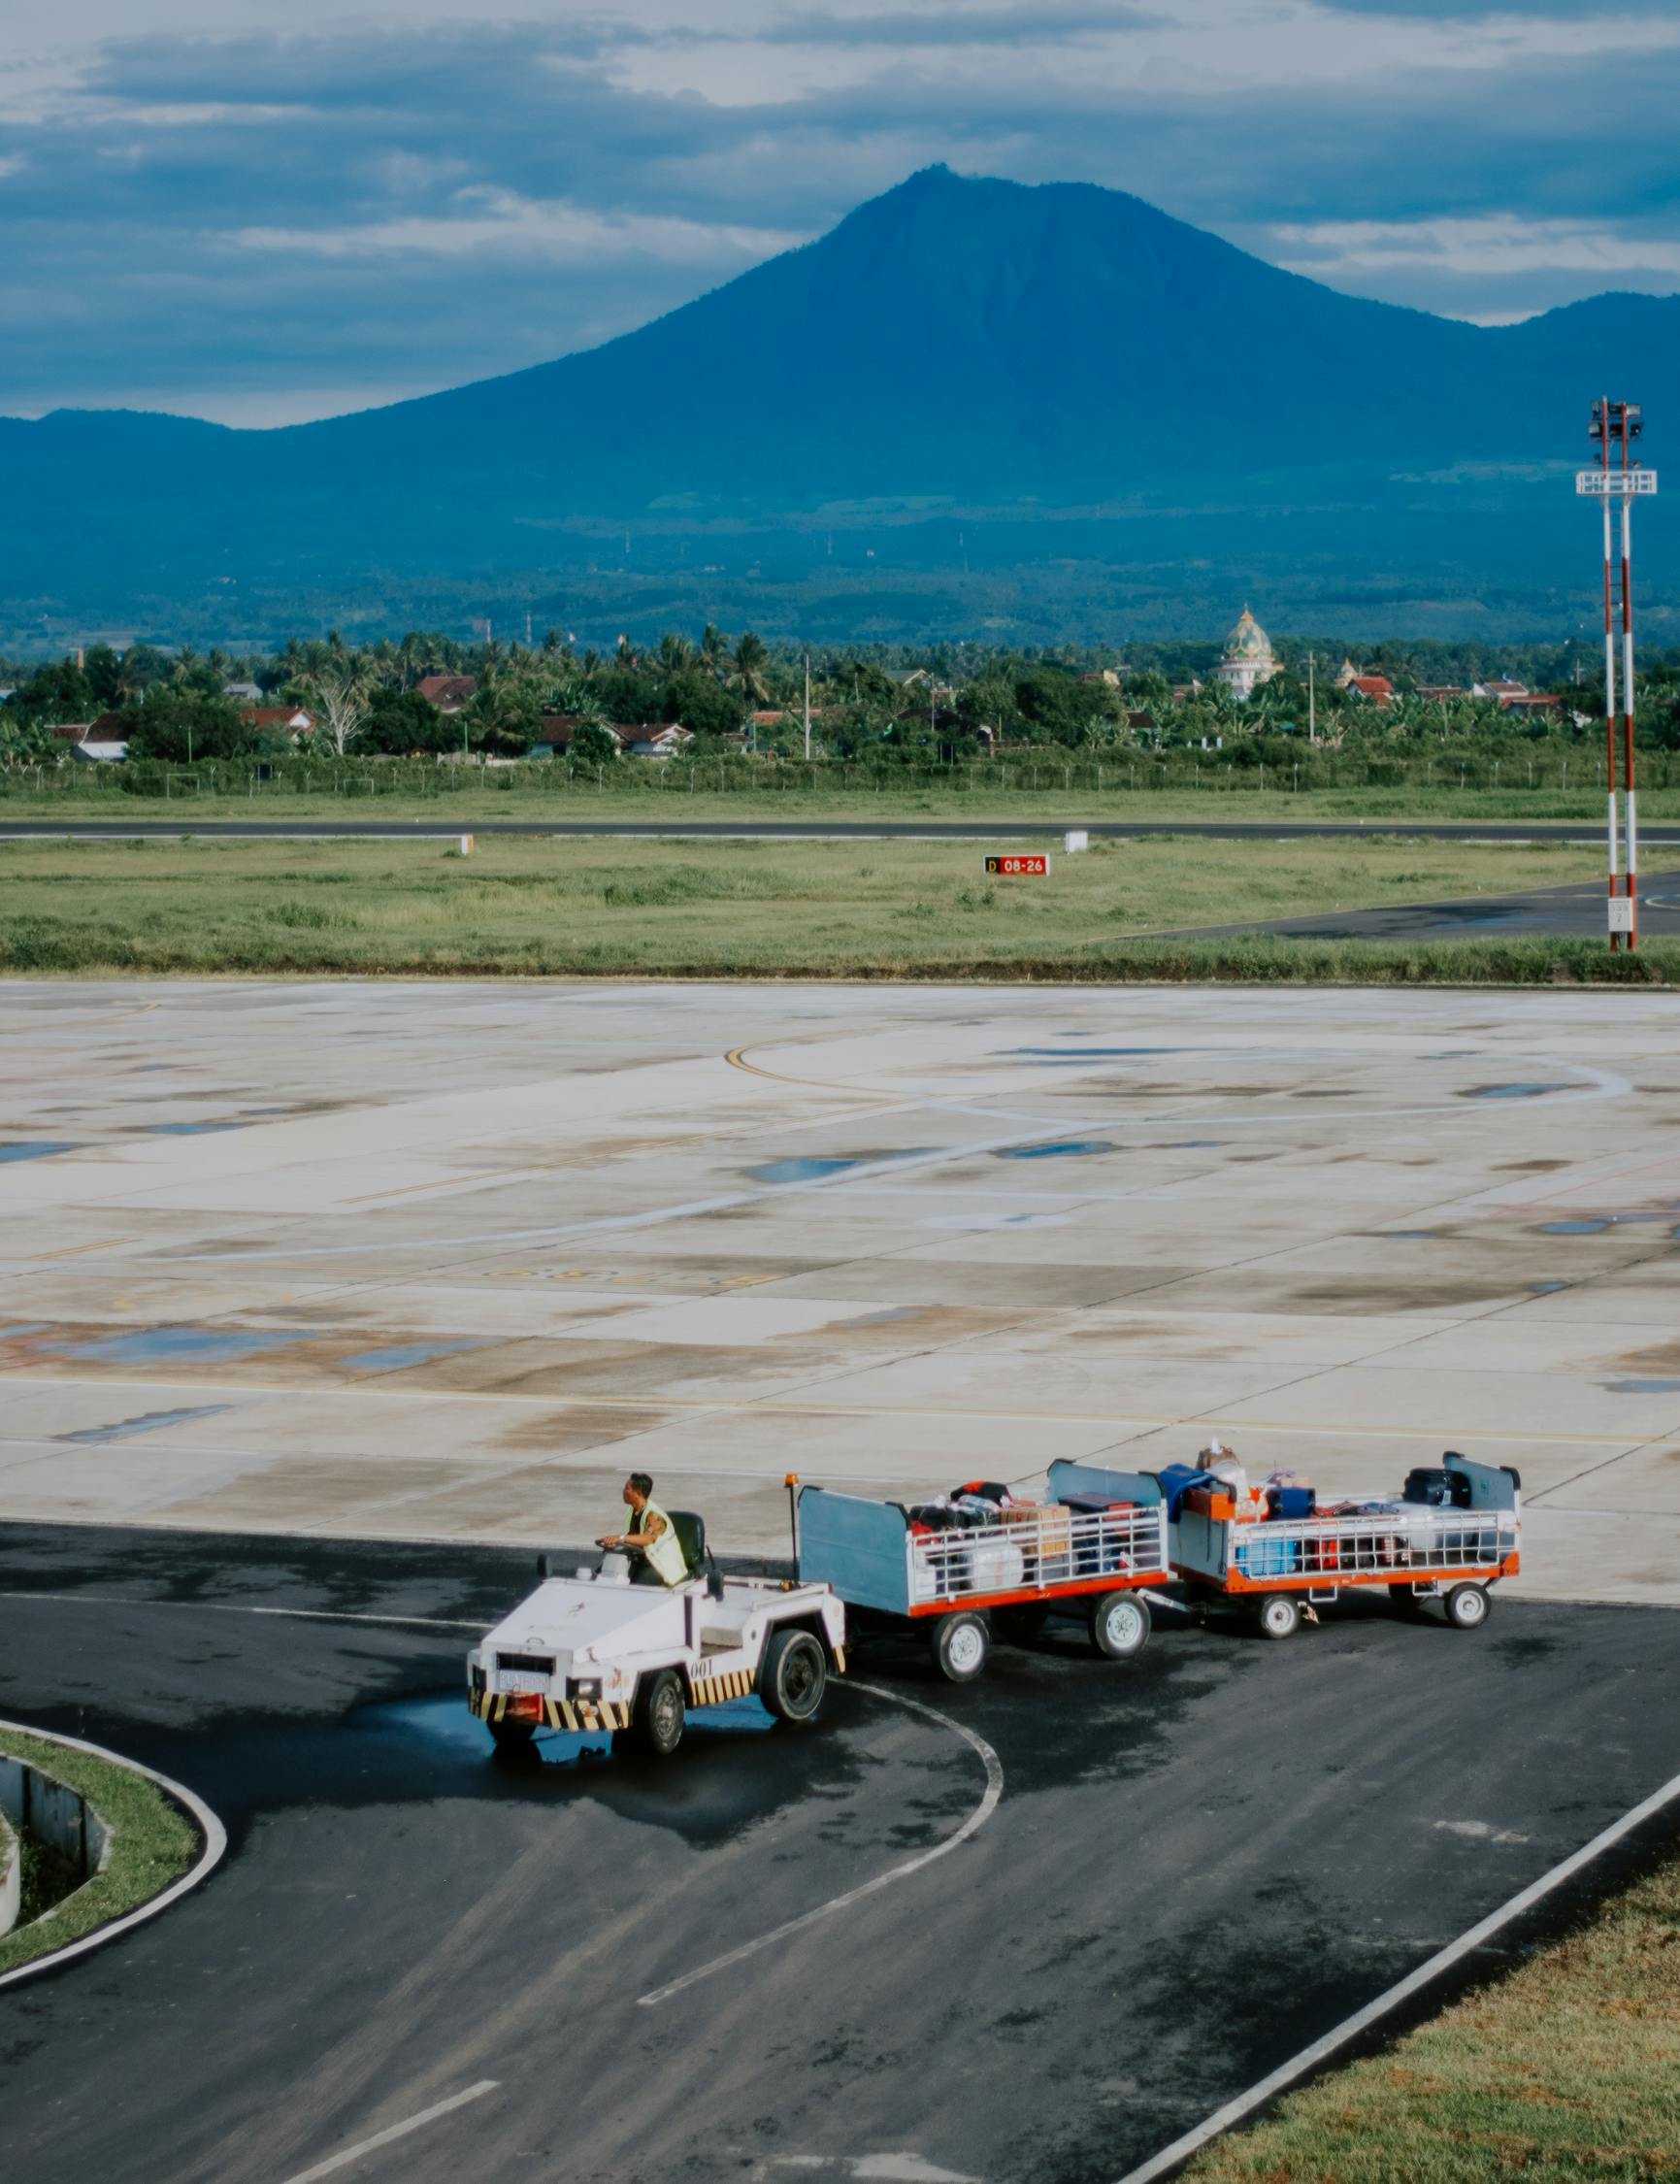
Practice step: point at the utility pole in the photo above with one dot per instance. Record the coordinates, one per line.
(808, 708)
(1311, 699)
(1615, 426)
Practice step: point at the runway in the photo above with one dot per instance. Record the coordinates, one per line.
(416, 1261)
(1198, 1862)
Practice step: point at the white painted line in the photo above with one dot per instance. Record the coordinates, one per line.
(230, 1607)
(1309, 2058)
(972, 1826)
(396, 2131)
(210, 1856)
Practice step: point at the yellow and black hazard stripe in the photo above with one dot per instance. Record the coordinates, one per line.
(574, 1714)
(712, 1691)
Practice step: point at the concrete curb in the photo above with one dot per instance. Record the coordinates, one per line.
(208, 1858)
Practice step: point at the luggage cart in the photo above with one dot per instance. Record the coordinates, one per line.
(1417, 1551)
(1002, 1579)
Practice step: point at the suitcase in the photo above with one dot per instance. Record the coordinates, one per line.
(1290, 1504)
(1438, 1489)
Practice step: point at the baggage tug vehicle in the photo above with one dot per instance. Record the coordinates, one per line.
(593, 1652)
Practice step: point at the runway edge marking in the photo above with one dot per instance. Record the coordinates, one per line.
(208, 1858)
(972, 1826)
(1309, 2058)
(394, 2132)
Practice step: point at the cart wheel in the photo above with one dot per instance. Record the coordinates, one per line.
(1277, 1617)
(1467, 1607)
(793, 1676)
(961, 1643)
(659, 1717)
(1020, 1625)
(1119, 1625)
(1406, 1600)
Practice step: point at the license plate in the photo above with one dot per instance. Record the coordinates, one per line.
(523, 1680)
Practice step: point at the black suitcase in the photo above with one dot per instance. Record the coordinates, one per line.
(1438, 1489)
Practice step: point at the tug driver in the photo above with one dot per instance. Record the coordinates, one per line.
(656, 1553)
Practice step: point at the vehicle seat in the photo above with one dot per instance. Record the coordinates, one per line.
(690, 1532)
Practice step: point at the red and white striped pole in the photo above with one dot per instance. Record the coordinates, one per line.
(1631, 889)
(1609, 666)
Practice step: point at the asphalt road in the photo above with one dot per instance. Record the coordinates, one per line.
(1548, 911)
(1652, 833)
(1198, 1864)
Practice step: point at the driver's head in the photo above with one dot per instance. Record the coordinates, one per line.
(636, 1488)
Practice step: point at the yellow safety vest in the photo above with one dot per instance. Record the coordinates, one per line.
(664, 1554)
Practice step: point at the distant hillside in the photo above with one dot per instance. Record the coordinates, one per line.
(965, 348)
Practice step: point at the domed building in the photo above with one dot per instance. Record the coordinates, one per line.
(1249, 659)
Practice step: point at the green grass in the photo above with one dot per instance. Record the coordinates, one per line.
(682, 908)
(1045, 794)
(154, 1844)
(1568, 2072)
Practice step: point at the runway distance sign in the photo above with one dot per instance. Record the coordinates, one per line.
(1033, 867)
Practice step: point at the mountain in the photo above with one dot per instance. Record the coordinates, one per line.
(1058, 364)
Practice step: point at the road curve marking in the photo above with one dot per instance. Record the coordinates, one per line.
(1309, 2058)
(208, 1858)
(972, 1826)
(396, 2131)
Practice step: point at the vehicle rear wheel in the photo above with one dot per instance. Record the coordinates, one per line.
(1467, 1607)
(792, 1675)
(1020, 1625)
(1119, 1625)
(961, 1643)
(659, 1717)
(1277, 1617)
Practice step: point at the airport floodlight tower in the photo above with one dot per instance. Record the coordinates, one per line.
(1615, 426)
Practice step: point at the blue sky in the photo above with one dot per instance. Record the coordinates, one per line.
(266, 209)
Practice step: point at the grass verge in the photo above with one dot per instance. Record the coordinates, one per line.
(155, 1844)
(1568, 2072)
(683, 909)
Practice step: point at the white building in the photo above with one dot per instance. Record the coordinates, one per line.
(1249, 659)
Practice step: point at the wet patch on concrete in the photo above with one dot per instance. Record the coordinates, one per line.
(163, 1345)
(402, 1355)
(23, 1328)
(1528, 1167)
(581, 1426)
(1406, 1236)
(188, 1129)
(1572, 1228)
(149, 1422)
(1511, 1091)
(1641, 1387)
(1086, 1053)
(1061, 1148)
(812, 1169)
(35, 1148)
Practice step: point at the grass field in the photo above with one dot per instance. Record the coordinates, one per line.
(1566, 2073)
(154, 1844)
(644, 792)
(736, 908)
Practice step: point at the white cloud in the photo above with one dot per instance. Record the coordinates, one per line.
(553, 229)
(1491, 245)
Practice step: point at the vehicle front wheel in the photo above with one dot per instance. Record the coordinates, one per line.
(794, 1674)
(1119, 1625)
(512, 1738)
(961, 1643)
(659, 1717)
(1277, 1617)
(1467, 1607)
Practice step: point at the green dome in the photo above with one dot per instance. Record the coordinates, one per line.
(1248, 642)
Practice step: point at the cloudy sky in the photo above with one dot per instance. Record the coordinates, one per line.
(266, 209)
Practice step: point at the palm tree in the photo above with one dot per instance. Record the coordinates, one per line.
(751, 658)
(676, 654)
(713, 648)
